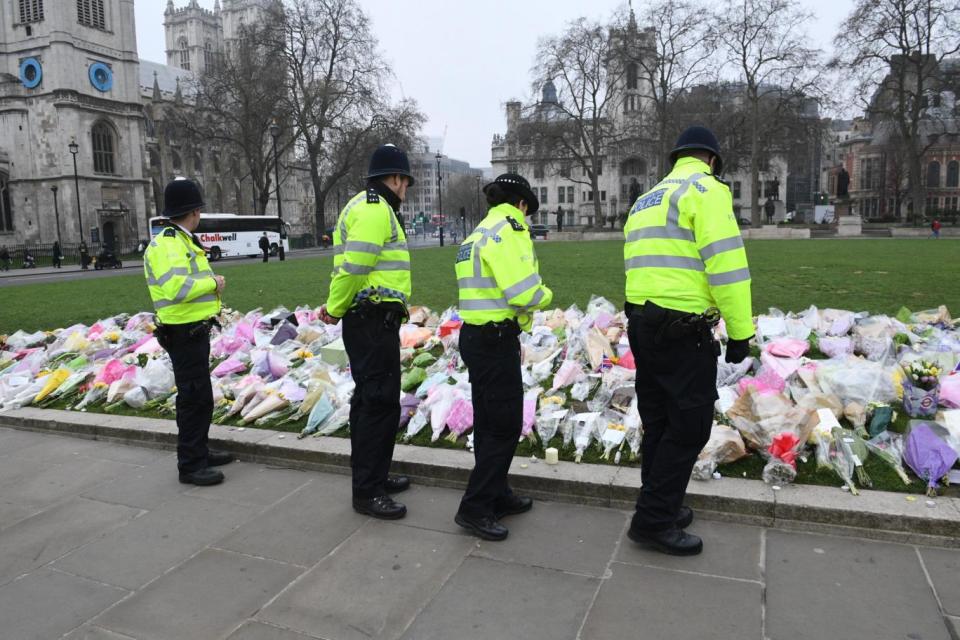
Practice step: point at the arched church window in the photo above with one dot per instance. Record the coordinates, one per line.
(154, 159)
(208, 55)
(197, 163)
(103, 148)
(184, 54)
(632, 75)
(6, 215)
(31, 11)
(176, 162)
(953, 173)
(90, 13)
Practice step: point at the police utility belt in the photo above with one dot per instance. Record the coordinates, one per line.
(393, 314)
(173, 333)
(675, 325)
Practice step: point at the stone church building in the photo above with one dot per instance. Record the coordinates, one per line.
(72, 89)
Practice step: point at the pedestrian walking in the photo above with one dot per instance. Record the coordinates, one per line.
(4, 259)
(84, 256)
(499, 289)
(369, 289)
(265, 246)
(186, 296)
(686, 268)
(57, 258)
(935, 229)
(28, 260)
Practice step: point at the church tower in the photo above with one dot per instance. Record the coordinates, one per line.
(69, 92)
(194, 35)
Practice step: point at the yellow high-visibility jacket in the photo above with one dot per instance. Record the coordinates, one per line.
(498, 273)
(370, 260)
(179, 278)
(683, 248)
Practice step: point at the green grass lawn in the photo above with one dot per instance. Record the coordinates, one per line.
(870, 275)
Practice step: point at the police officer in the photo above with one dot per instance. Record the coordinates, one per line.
(500, 288)
(369, 289)
(686, 267)
(186, 297)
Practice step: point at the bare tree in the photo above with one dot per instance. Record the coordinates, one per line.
(231, 107)
(461, 195)
(683, 47)
(764, 43)
(894, 49)
(335, 90)
(579, 128)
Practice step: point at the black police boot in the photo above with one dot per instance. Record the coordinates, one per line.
(218, 458)
(673, 541)
(382, 507)
(485, 527)
(396, 484)
(684, 517)
(202, 477)
(513, 504)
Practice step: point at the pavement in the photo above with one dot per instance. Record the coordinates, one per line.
(98, 540)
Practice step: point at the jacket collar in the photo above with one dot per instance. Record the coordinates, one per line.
(692, 165)
(504, 210)
(386, 193)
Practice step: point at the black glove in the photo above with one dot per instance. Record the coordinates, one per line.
(738, 350)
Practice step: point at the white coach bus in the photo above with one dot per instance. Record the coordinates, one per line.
(228, 234)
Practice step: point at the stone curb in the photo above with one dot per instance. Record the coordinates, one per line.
(873, 514)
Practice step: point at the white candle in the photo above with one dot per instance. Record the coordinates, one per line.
(552, 456)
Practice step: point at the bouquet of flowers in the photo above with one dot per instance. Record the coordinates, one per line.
(921, 388)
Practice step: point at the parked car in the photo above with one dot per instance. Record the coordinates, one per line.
(538, 230)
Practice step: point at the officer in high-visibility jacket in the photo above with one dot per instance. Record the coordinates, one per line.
(370, 288)
(186, 297)
(500, 288)
(686, 268)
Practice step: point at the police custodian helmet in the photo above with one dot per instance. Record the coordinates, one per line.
(389, 160)
(180, 197)
(518, 185)
(698, 138)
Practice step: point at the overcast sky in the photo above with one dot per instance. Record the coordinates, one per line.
(462, 60)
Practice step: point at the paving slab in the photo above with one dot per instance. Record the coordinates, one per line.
(877, 589)
(943, 565)
(260, 631)
(304, 527)
(729, 550)
(150, 545)
(559, 536)
(253, 484)
(488, 599)
(145, 487)
(93, 632)
(203, 598)
(431, 508)
(67, 449)
(11, 513)
(38, 540)
(48, 604)
(372, 586)
(647, 602)
(35, 483)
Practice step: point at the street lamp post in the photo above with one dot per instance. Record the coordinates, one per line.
(479, 217)
(56, 213)
(440, 195)
(74, 148)
(275, 132)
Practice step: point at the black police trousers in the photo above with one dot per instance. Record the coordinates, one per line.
(371, 336)
(190, 354)
(497, 389)
(676, 389)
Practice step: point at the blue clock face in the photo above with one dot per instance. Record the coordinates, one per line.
(31, 73)
(101, 76)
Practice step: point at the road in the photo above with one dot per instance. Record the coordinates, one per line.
(43, 275)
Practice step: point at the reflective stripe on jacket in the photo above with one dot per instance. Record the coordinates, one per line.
(370, 255)
(683, 248)
(497, 271)
(179, 278)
